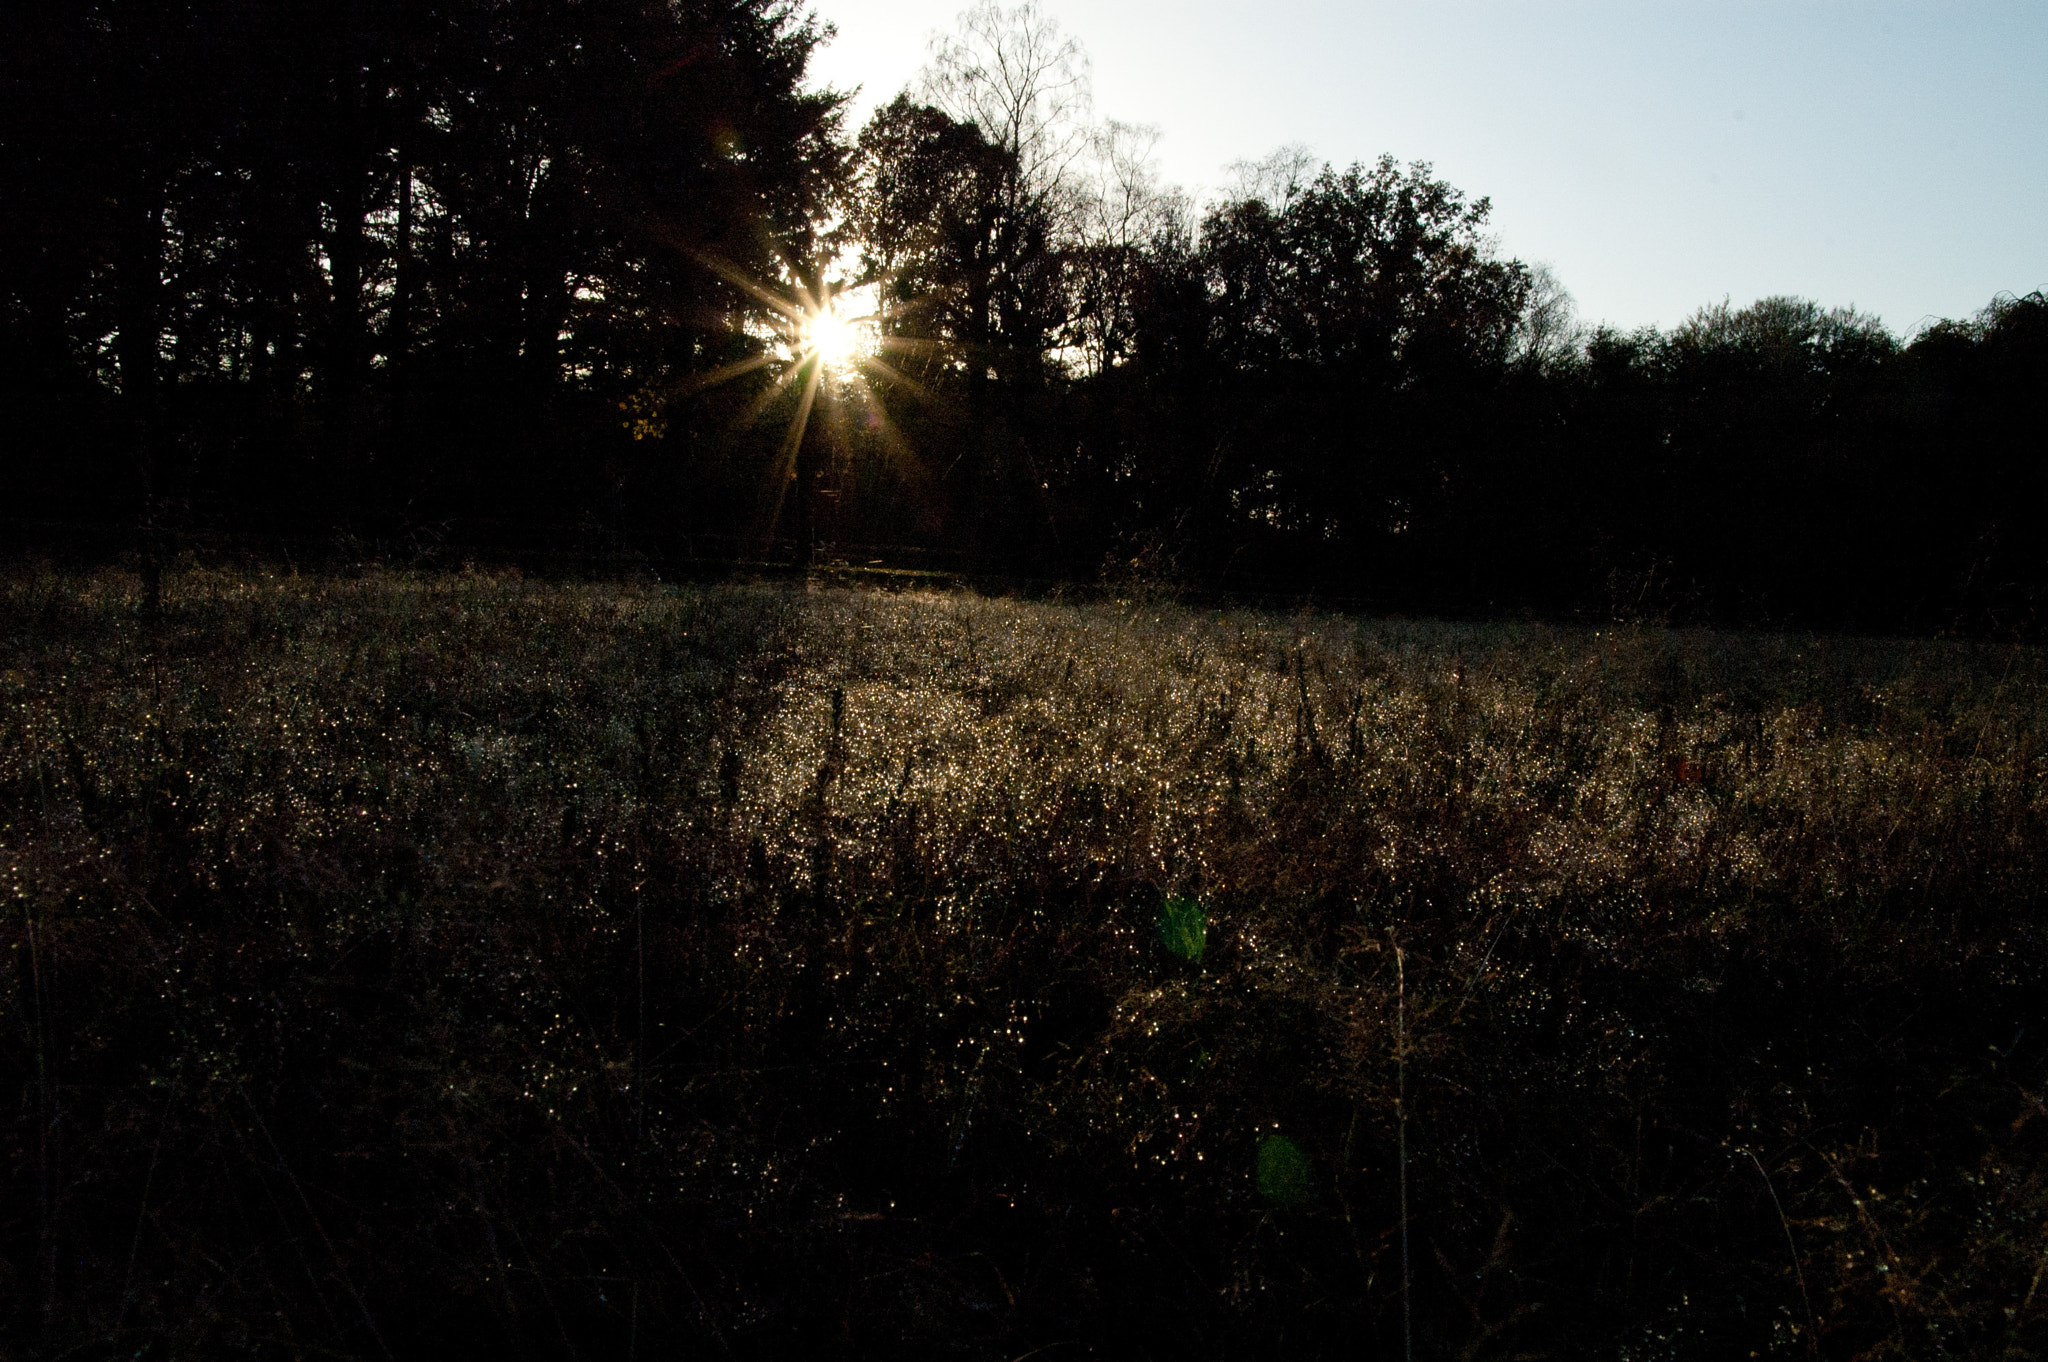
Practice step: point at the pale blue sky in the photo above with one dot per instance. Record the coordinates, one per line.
(1657, 156)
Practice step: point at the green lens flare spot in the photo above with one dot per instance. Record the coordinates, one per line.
(1283, 1171)
(1184, 928)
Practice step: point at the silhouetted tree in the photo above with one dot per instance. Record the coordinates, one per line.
(1351, 324)
(337, 258)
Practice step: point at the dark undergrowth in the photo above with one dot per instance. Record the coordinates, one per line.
(465, 966)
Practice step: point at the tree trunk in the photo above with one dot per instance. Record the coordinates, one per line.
(137, 341)
(348, 342)
(346, 349)
(398, 329)
(547, 307)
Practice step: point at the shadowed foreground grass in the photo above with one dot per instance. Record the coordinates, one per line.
(430, 967)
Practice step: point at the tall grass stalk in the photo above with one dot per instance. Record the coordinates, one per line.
(1401, 1126)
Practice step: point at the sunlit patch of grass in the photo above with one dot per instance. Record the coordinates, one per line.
(637, 966)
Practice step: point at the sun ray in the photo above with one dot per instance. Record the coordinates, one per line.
(802, 418)
(739, 279)
(914, 346)
(799, 277)
(895, 445)
(696, 383)
(785, 463)
(767, 398)
(893, 374)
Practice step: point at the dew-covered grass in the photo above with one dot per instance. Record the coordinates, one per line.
(467, 965)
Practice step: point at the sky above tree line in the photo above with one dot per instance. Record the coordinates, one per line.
(1658, 157)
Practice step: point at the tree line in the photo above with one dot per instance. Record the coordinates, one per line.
(481, 275)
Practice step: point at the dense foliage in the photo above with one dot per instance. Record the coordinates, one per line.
(461, 966)
(378, 264)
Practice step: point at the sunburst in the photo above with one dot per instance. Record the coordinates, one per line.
(839, 334)
(827, 339)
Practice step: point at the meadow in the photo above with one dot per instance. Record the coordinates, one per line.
(447, 965)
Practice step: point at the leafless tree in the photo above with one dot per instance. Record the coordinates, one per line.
(1127, 205)
(1549, 330)
(1124, 212)
(1011, 73)
(1095, 186)
(1278, 178)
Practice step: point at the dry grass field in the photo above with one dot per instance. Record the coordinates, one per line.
(467, 965)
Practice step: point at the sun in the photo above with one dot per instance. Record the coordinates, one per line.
(839, 338)
(825, 342)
